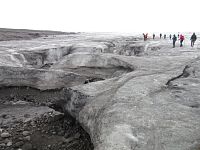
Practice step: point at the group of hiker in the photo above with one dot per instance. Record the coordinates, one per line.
(174, 38)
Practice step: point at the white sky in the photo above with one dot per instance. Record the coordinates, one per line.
(101, 15)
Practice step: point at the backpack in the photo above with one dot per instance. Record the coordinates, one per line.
(182, 37)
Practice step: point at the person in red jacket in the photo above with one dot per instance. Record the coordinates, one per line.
(182, 38)
(145, 36)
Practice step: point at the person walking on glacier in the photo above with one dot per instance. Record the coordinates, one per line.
(174, 40)
(144, 37)
(154, 36)
(160, 35)
(164, 36)
(170, 36)
(193, 39)
(182, 38)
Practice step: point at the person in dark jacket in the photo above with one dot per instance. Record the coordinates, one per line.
(174, 40)
(193, 39)
(182, 38)
(165, 36)
(160, 35)
(170, 36)
(154, 36)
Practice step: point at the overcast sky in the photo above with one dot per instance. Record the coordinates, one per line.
(101, 15)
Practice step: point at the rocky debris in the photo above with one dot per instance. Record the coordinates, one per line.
(9, 144)
(31, 122)
(2, 145)
(35, 126)
(27, 138)
(45, 132)
(25, 133)
(5, 135)
(27, 146)
(18, 144)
